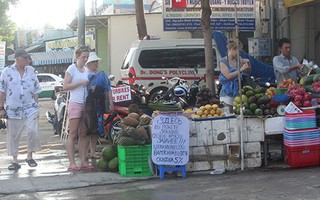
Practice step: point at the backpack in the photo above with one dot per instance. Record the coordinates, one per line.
(90, 117)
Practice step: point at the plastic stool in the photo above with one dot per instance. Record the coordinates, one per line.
(163, 168)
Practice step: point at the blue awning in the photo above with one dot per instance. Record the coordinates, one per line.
(51, 58)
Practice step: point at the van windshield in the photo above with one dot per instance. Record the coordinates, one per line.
(174, 58)
(128, 56)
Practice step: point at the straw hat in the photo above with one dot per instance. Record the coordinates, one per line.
(93, 57)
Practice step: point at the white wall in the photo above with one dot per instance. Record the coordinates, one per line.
(123, 31)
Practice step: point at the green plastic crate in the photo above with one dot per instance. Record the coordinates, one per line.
(134, 160)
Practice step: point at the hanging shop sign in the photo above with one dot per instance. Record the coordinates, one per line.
(291, 3)
(170, 139)
(185, 15)
(69, 43)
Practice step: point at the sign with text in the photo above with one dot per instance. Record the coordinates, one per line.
(69, 43)
(187, 17)
(170, 139)
(120, 94)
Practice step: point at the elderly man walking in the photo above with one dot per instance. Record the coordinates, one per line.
(19, 89)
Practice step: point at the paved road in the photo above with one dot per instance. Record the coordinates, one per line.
(288, 184)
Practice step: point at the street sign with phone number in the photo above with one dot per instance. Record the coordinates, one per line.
(185, 15)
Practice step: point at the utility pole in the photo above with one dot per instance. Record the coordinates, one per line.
(81, 22)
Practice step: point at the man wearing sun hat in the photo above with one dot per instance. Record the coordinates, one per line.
(99, 90)
(19, 88)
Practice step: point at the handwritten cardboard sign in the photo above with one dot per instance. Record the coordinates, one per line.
(170, 139)
(120, 94)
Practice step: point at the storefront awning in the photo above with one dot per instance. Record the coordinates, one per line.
(51, 58)
(291, 3)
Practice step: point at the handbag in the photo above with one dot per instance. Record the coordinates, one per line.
(89, 115)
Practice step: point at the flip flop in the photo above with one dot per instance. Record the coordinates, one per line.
(31, 162)
(86, 167)
(73, 168)
(14, 166)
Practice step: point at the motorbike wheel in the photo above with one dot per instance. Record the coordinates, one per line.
(114, 128)
(156, 96)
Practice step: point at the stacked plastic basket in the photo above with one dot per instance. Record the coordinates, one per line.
(302, 139)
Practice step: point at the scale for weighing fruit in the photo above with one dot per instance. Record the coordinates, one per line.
(281, 98)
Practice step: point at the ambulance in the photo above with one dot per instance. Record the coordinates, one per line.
(152, 60)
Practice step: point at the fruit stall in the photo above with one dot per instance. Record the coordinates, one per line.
(215, 140)
(218, 139)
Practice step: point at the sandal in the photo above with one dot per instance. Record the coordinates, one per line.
(14, 166)
(73, 168)
(86, 167)
(31, 162)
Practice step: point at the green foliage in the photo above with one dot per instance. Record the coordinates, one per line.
(7, 27)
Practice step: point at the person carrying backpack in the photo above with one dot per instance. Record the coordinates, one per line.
(99, 101)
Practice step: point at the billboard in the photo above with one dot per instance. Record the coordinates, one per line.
(185, 15)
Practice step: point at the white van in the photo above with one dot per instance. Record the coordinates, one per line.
(150, 60)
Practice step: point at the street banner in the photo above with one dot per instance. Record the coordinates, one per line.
(2, 55)
(170, 139)
(120, 94)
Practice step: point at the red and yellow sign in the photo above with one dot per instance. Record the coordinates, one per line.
(290, 3)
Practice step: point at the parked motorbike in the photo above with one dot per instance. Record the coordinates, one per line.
(139, 96)
(56, 119)
(179, 91)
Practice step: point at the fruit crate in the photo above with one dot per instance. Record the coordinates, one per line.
(303, 156)
(134, 160)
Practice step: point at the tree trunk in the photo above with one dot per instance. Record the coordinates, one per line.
(207, 35)
(141, 22)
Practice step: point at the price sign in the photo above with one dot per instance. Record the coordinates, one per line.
(170, 139)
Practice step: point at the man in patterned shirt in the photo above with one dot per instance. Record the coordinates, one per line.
(19, 89)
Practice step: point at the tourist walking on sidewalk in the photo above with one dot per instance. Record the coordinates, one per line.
(75, 81)
(99, 90)
(19, 88)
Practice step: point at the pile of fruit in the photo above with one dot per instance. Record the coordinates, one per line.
(299, 96)
(286, 83)
(204, 97)
(207, 111)
(307, 81)
(254, 102)
(109, 159)
(134, 130)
